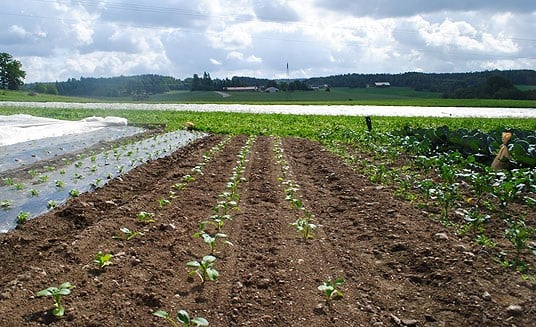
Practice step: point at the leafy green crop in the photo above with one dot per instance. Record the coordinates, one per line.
(305, 226)
(329, 288)
(183, 317)
(56, 293)
(211, 239)
(22, 216)
(102, 260)
(204, 268)
(128, 234)
(146, 217)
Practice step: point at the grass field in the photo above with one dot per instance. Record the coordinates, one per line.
(310, 126)
(393, 96)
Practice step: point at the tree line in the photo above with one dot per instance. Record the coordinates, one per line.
(487, 84)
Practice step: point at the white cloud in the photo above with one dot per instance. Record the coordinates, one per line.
(56, 40)
(215, 62)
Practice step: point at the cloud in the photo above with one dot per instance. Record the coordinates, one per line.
(60, 39)
(396, 8)
(215, 62)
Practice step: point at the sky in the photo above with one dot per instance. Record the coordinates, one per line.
(60, 39)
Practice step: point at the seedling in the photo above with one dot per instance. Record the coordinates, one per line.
(74, 193)
(42, 178)
(519, 235)
(146, 217)
(56, 293)
(22, 217)
(102, 260)
(51, 204)
(163, 202)
(5, 204)
(179, 186)
(329, 288)
(128, 233)
(204, 268)
(183, 317)
(305, 227)
(9, 181)
(34, 192)
(209, 239)
(19, 186)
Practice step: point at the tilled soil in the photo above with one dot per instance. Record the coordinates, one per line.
(397, 271)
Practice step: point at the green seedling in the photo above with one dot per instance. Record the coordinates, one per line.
(56, 293)
(204, 268)
(22, 216)
(179, 186)
(210, 239)
(519, 235)
(102, 260)
(188, 178)
(146, 217)
(164, 202)
(59, 183)
(304, 226)
(34, 192)
(9, 181)
(183, 317)
(329, 288)
(74, 193)
(19, 186)
(42, 179)
(5, 204)
(128, 233)
(51, 204)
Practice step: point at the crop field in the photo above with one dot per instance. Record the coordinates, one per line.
(282, 220)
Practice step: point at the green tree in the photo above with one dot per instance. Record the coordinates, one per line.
(11, 74)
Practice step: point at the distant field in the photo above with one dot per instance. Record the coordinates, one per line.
(394, 96)
(526, 87)
(335, 95)
(25, 96)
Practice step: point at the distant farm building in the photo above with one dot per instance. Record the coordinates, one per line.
(271, 89)
(382, 84)
(241, 89)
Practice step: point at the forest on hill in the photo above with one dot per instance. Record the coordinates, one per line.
(487, 84)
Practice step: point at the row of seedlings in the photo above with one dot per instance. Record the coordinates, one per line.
(467, 193)
(86, 172)
(102, 260)
(211, 231)
(304, 225)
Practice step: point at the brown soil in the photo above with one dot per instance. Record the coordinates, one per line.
(396, 272)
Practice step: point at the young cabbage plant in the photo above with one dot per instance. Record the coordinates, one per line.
(128, 234)
(102, 260)
(22, 216)
(183, 317)
(51, 204)
(211, 239)
(519, 235)
(163, 202)
(329, 288)
(146, 217)
(56, 293)
(305, 227)
(5, 204)
(204, 268)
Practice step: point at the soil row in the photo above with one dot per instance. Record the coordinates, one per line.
(396, 272)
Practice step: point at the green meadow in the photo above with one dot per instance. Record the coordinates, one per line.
(394, 96)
